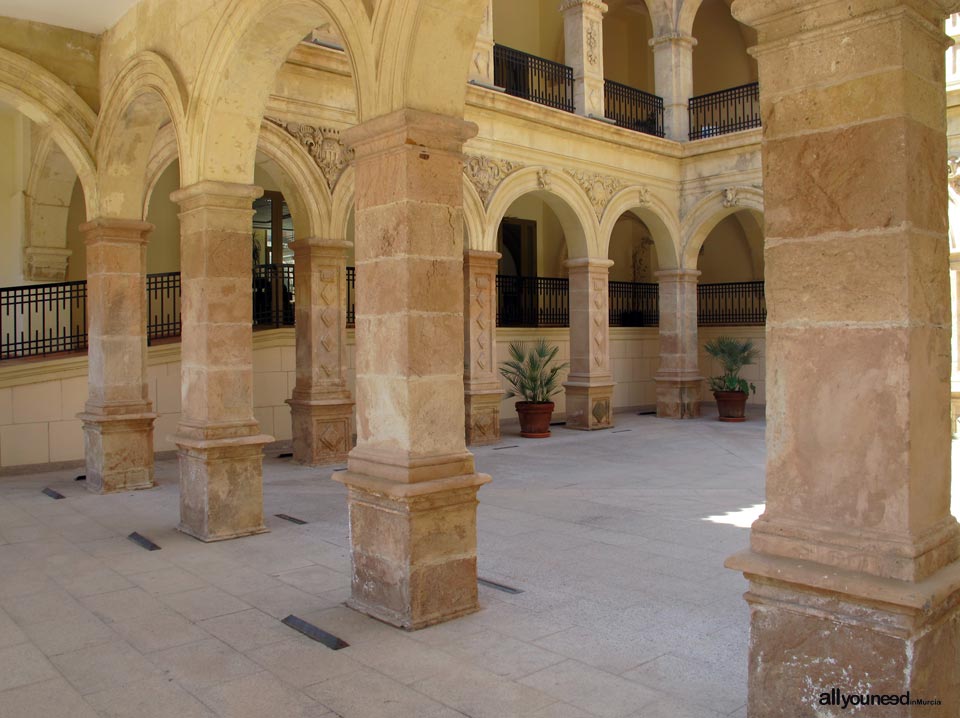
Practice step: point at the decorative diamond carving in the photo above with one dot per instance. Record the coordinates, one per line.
(600, 189)
(323, 144)
(486, 173)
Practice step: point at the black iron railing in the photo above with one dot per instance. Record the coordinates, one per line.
(634, 304)
(633, 109)
(731, 304)
(718, 113)
(43, 319)
(163, 305)
(351, 294)
(533, 302)
(533, 78)
(273, 295)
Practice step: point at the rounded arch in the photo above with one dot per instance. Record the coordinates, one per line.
(51, 103)
(144, 96)
(710, 211)
(662, 16)
(48, 195)
(342, 205)
(562, 194)
(473, 217)
(653, 212)
(686, 15)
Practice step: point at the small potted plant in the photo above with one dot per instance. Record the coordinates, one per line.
(729, 389)
(534, 377)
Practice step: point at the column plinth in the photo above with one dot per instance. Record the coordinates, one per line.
(118, 417)
(412, 481)
(481, 382)
(219, 440)
(583, 48)
(679, 384)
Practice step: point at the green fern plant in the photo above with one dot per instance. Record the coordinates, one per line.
(733, 355)
(531, 372)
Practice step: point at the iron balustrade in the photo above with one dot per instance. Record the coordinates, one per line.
(533, 78)
(719, 113)
(43, 319)
(351, 293)
(634, 304)
(533, 301)
(273, 295)
(633, 109)
(163, 306)
(731, 304)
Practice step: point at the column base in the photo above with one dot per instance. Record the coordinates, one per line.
(321, 430)
(221, 487)
(482, 417)
(589, 407)
(818, 633)
(414, 548)
(679, 398)
(119, 451)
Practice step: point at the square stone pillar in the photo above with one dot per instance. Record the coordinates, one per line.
(481, 380)
(321, 408)
(679, 384)
(589, 384)
(413, 486)
(583, 49)
(481, 68)
(854, 579)
(118, 417)
(673, 73)
(221, 447)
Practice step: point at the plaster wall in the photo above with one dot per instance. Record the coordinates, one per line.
(728, 255)
(720, 59)
(627, 55)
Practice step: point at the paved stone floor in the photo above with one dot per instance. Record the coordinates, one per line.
(616, 538)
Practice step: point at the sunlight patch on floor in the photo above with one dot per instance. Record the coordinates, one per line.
(741, 519)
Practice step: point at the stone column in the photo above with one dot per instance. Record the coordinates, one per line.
(679, 384)
(221, 447)
(589, 384)
(673, 71)
(413, 486)
(321, 407)
(955, 343)
(583, 43)
(118, 419)
(854, 579)
(481, 68)
(481, 381)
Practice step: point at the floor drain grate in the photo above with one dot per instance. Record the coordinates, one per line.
(501, 448)
(291, 519)
(143, 541)
(622, 431)
(498, 586)
(284, 456)
(82, 477)
(53, 494)
(317, 634)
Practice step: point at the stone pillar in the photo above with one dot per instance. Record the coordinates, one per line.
(679, 384)
(321, 407)
(481, 68)
(589, 384)
(854, 579)
(673, 71)
(481, 381)
(118, 418)
(413, 486)
(955, 343)
(221, 447)
(583, 43)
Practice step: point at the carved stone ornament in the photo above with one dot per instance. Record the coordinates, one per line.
(486, 173)
(593, 40)
(323, 144)
(731, 197)
(643, 197)
(543, 179)
(600, 189)
(953, 173)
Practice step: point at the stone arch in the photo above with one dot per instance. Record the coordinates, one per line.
(144, 96)
(662, 16)
(709, 212)
(342, 204)
(686, 14)
(51, 103)
(474, 217)
(653, 212)
(562, 194)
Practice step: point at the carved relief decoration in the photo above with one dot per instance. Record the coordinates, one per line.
(600, 189)
(593, 41)
(324, 146)
(643, 197)
(482, 301)
(731, 197)
(601, 411)
(599, 328)
(486, 173)
(330, 331)
(543, 179)
(953, 173)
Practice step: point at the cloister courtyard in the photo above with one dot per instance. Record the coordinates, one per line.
(614, 540)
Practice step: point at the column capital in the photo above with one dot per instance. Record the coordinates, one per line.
(587, 263)
(677, 275)
(673, 39)
(116, 230)
(206, 193)
(477, 256)
(584, 5)
(317, 245)
(414, 129)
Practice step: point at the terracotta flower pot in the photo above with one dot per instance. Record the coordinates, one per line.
(731, 405)
(535, 418)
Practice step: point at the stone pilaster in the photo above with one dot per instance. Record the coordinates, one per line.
(854, 579)
(118, 417)
(413, 486)
(589, 384)
(679, 384)
(583, 43)
(955, 343)
(46, 264)
(481, 66)
(321, 408)
(221, 447)
(481, 381)
(673, 71)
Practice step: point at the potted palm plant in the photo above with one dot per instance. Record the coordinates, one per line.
(534, 377)
(729, 389)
